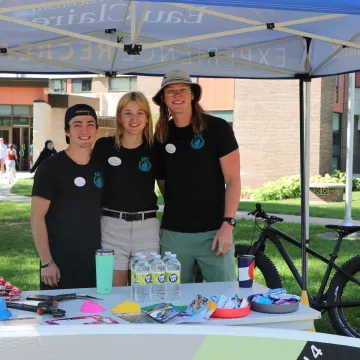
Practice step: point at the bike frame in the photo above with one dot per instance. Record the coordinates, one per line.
(319, 301)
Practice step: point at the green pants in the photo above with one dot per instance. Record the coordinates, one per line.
(197, 246)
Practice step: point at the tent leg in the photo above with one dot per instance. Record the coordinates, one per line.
(304, 294)
(307, 170)
(349, 151)
(303, 174)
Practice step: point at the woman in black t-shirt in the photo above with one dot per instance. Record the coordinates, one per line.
(129, 223)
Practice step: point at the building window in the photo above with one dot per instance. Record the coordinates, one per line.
(5, 110)
(336, 152)
(22, 110)
(224, 114)
(126, 83)
(21, 121)
(81, 85)
(5, 122)
(337, 89)
(59, 86)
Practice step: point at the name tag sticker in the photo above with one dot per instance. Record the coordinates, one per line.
(79, 181)
(114, 161)
(170, 148)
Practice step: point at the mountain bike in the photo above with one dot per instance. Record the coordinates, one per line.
(342, 298)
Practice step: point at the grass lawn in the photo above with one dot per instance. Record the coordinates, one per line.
(23, 187)
(290, 206)
(19, 262)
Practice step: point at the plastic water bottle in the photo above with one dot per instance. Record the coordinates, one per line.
(172, 278)
(151, 257)
(166, 257)
(157, 279)
(143, 280)
(133, 262)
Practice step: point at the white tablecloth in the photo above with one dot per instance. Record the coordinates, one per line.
(300, 320)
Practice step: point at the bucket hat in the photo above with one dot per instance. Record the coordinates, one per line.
(174, 77)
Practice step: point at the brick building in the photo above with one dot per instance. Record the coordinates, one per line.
(264, 115)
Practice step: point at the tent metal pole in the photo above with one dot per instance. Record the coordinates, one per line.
(254, 22)
(119, 35)
(133, 21)
(302, 181)
(349, 150)
(141, 23)
(332, 55)
(61, 32)
(307, 167)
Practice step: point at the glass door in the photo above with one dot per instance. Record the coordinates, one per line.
(24, 149)
(21, 141)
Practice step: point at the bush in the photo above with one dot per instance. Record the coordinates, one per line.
(246, 193)
(285, 188)
(288, 187)
(356, 184)
(338, 178)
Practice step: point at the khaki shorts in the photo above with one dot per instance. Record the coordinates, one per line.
(129, 237)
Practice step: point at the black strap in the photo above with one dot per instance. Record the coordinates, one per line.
(129, 216)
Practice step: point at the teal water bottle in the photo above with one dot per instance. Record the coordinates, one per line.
(104, 270)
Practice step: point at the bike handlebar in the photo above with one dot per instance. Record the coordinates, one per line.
(259, 213)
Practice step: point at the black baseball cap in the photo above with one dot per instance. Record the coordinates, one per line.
(78, 110)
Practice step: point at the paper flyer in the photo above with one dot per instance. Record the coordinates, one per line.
(83, 320)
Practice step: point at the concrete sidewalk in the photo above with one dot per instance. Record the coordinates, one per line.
(290, 218)
(6, 195)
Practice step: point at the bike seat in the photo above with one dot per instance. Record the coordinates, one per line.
(346, 229)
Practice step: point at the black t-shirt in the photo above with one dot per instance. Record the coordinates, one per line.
(73, 218)
(194, 182)
(129, 176)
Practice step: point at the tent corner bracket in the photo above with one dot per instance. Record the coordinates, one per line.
(110, 74)
(3, 50)
(133, 49)
(110, 31)
(270, 26)
(303, 77)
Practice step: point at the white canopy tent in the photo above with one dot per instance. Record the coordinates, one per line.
(253, 39)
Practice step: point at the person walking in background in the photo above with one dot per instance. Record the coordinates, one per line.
(31, 153)
(3, 149)
(65, 207)
(200, 181)
(10, 161)
(129, 223)
(46, 152)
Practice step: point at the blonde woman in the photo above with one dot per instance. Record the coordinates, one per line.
(129, 223)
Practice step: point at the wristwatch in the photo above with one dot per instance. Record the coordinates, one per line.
(230, 220)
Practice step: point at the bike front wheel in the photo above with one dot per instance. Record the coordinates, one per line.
(266, 272)
(346, 321)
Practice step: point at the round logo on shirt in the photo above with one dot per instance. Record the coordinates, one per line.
(79, 181)
(170, 148)
(197, 142)
(114, 161)
(145, 164)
